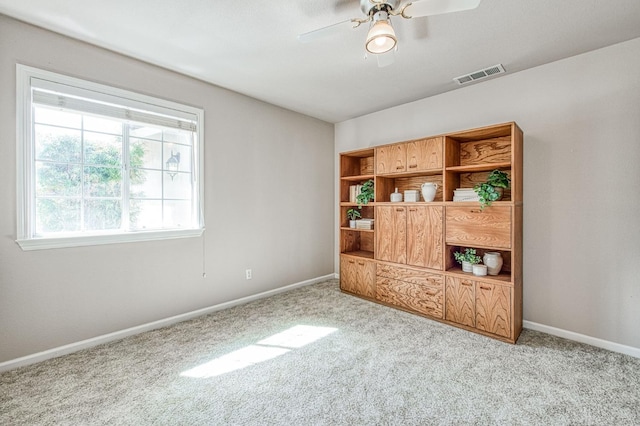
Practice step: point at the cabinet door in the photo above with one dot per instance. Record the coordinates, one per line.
(391, 159)
(493, 308)
(470, 226)
(357, 276)
(391, 234)
(424, 236)
(424, 154)
(460, 301)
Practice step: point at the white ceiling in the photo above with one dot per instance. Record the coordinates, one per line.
(251, 46)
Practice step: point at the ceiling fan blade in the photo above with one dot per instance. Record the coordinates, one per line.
(436, 7)
(386, 59)
(325, 31)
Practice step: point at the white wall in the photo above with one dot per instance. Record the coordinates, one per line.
(581, 121)
(266, 170)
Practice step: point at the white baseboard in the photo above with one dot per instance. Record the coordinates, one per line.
(582, 338)
(105, 338)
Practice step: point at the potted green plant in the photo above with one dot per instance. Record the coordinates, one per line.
(467, 259)
(492, 189)
(352, 215)
(366, 193)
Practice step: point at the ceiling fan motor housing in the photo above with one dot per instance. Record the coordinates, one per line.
(370, 7)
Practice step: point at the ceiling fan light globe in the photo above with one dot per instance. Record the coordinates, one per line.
(381, 37)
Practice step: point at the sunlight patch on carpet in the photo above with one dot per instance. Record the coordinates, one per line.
(264, 350)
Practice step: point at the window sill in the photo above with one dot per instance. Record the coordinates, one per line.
(94, 240)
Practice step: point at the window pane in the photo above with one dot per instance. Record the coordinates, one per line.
(179, 187)
(177, 214)
(102, 182)
(102, 149)
(150, 187)
(57, 144)
(105, 125)
(102, 214)
(178, 136)
(147, 132)
(145, 214)
(182, 152)
(57, 117)
(146, 153)
(58, 179)
(57, 215)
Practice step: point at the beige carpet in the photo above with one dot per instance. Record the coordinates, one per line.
(315, 356)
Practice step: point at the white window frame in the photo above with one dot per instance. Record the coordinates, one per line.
(26, 164)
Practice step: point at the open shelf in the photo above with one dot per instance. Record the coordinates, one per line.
(360, 253)
(502, 277)
(485, 167)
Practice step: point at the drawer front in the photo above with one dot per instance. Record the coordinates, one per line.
(409, 275)
(470, 226)
(419, 298)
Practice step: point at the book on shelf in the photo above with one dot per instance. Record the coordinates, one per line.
(364, 224)
(354, 191)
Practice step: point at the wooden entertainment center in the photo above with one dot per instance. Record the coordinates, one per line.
(406, 261)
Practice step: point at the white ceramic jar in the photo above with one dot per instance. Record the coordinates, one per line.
(493, 260)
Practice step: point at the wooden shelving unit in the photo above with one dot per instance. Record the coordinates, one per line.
(407, 260)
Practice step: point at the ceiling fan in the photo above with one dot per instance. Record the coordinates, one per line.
(381, 39)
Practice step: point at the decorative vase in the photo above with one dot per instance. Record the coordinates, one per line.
(480, 270)
(493, 260)
(467, 267)
(429, 191)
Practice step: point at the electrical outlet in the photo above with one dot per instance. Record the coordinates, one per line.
(248, 273)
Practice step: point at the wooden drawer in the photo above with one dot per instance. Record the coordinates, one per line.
(415, 297)
(470, 226)
(409, 275)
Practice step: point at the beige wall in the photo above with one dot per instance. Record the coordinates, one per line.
(581, 121)
(268, 206)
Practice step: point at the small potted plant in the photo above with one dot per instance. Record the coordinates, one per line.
(493, 188)
(366, 193)
(352, 215)
(467, 259)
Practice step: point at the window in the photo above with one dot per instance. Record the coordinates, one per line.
(100, 165)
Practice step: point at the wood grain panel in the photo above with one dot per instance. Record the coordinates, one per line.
(424, 236)
(391, 159)
(423, 299)
(357, 276)
(493, 308)
(460, 301)
(415, 276)
(496, 150)
(470, 226)
(391, 234)
(424, 154)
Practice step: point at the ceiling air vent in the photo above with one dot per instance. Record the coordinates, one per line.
(480, 74)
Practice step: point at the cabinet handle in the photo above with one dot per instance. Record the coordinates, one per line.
(431, 293)
(413, 166)
(361, 263)
(466, 284)
(475, 211)
(413, 210)
(399, 167)
(352, 261)
(399, 210)
(485, 288)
